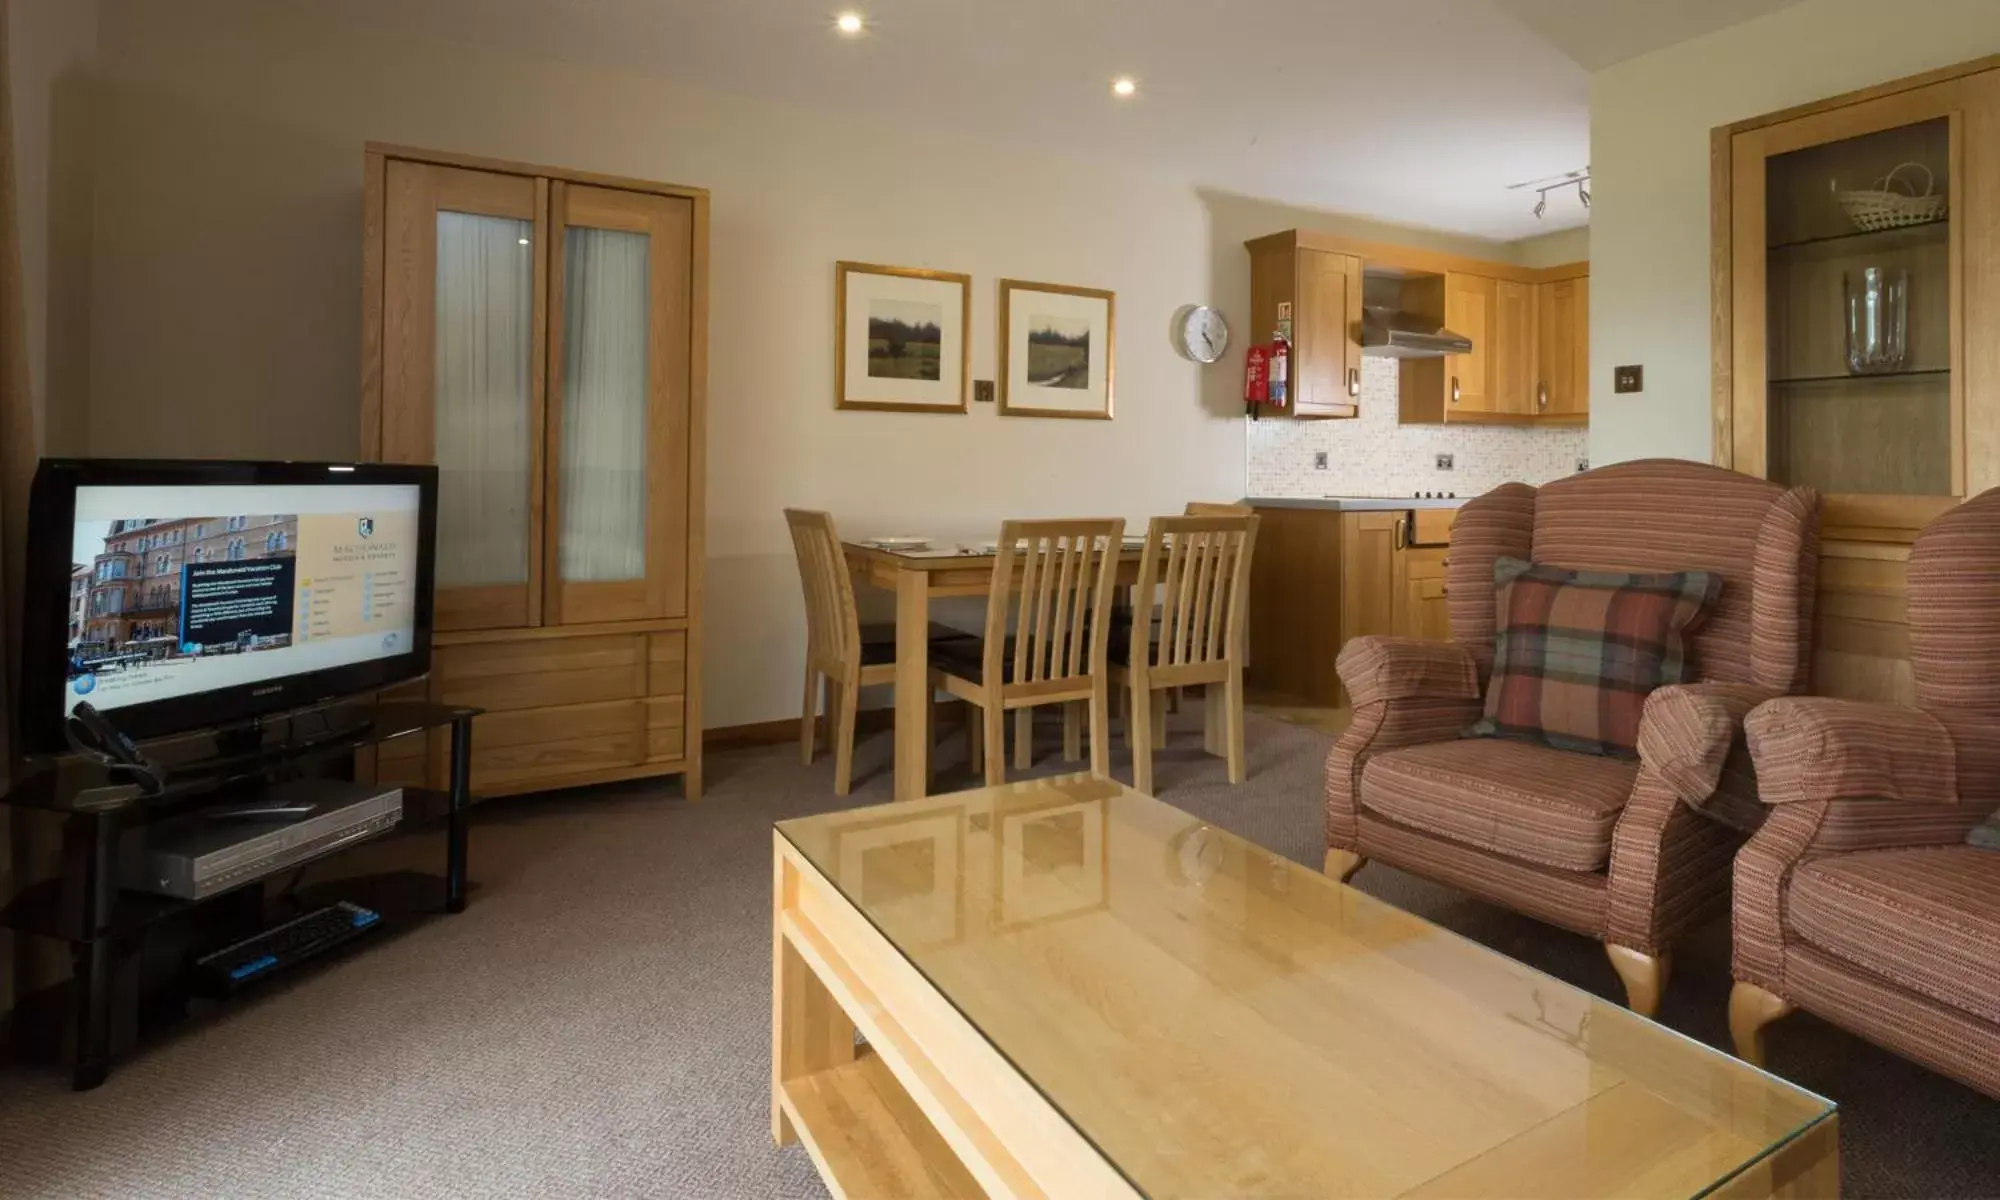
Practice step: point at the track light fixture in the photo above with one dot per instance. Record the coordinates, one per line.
(1580, 180)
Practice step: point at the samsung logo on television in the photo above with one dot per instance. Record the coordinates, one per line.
(273, 690)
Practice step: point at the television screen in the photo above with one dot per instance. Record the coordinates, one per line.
(195, 598)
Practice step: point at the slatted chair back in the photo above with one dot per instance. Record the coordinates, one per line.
(833, 624)
(1059, 625)
(1200, 568)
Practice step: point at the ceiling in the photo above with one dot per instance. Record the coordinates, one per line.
(1413, 111)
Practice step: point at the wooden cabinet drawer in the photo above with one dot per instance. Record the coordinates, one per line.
(590, 737)
(543, 672)
(666, 728)
(1431, 526)
(666, 664)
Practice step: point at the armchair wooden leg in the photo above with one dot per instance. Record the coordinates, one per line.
(1645, 976)
(809, 719)
(1751, 1008)
(1024, 738)
(1342, 864)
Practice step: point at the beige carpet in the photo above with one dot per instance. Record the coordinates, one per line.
(597, 1022)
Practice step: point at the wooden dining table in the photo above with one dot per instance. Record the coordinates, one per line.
(946, 567)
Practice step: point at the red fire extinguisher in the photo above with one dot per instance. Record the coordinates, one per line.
(1279, 391)
(1256, 379)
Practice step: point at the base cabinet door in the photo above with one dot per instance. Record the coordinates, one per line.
(1370, 545)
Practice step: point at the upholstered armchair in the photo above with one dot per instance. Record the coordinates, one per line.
(1633, 853)
(1859, 899)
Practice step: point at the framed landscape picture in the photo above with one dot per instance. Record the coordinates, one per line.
(1056, 350)
(899, 338)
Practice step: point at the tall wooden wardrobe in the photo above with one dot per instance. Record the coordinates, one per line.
(541, 335)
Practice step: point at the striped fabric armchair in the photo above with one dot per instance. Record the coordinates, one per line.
(1860, 899)
(1633, 853)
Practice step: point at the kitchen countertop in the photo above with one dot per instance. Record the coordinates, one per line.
(1356, 503)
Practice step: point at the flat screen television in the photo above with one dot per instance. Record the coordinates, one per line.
(177, 596)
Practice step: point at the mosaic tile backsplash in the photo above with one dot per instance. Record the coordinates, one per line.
(1373, 455)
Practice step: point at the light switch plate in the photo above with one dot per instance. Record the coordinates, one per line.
(1628, 379)
(982, 391)
(1319, 460)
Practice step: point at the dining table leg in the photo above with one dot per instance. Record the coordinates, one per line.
(913, 685)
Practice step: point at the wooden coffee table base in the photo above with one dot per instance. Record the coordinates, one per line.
(927, 1107)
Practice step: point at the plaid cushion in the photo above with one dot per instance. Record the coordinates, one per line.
(1578, 652)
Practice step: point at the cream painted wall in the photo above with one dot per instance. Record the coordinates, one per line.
(227, 283)
(50, 50)
(1649, 124)
(1553, 249)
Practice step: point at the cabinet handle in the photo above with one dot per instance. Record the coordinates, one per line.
(1454, 389)
(1354, 381)
(1542, 395)
(1401, 538)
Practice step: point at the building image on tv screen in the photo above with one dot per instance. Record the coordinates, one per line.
(181, 587)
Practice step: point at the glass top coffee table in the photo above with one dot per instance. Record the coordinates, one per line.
(1067, 988)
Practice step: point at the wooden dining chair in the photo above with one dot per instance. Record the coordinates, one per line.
(1195, 508)
(1200, 566)
(1051, 646)
(841, 658)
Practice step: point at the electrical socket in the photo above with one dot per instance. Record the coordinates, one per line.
(1582, 464)
(1628, 379)
(1319, 460)
(1444, 462)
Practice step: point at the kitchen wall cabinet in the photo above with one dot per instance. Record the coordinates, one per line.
(538, 334)
(1323, 577)
(1562, 349)
(1892, 430)
(1324, 289)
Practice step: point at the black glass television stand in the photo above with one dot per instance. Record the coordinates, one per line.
(133, 951)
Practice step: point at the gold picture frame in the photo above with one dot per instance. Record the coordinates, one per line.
(1044, 328)
(902, 375)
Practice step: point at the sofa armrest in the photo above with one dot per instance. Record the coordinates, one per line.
(1376, 668)
(1686, 731)
(1813, 748)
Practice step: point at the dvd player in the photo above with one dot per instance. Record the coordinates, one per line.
(194, 857)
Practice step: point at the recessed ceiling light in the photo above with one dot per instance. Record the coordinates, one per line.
(848, 23)
(1124, 86)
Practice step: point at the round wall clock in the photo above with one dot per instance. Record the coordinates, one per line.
(1201, 334)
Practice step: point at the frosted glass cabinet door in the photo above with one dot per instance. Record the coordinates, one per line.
(463, 357)
(618, 428)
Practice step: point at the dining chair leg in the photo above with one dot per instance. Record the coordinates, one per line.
(1139, 729)
(1024, 738)
(1100, 727)
(975, 741)
(995, 719)
(843, 749)
(1214, 721)
(1232, 715)
(1159, 698)
(809, 719)
(1073, 731)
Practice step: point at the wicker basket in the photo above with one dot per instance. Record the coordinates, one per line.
(1883, 207)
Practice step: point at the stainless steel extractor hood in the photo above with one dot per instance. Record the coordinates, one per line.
(1392, 333)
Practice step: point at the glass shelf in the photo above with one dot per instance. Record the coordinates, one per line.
(1876, 239)
(1863, 377)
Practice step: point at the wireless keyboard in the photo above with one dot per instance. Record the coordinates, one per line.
(281, 946)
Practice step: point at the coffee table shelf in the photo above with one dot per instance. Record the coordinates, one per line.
(868, 1137)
